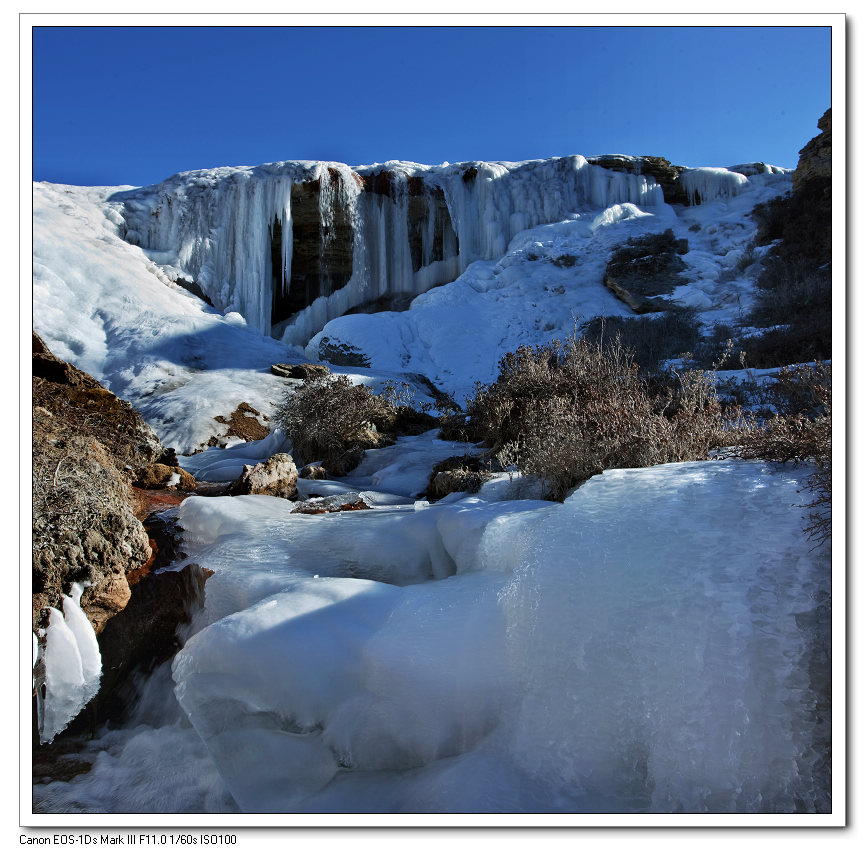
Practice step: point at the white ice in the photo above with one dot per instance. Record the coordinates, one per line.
(73, 666)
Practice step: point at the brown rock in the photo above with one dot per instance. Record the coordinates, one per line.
(159, 476)
(313, 472)
(815, 159)
(299, 371)
(277, 477)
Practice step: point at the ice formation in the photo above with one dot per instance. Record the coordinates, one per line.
(708, 184)
(558, 666)
(72, 666)
(219, 227)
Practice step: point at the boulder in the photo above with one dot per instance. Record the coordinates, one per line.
(342, 354)
(299, 371)
(277, 477)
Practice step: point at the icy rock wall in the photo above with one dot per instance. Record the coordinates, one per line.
(292, 245)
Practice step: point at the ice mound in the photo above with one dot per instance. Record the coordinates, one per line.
(655, 643)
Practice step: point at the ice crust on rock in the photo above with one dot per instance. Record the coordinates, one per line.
(708, 184)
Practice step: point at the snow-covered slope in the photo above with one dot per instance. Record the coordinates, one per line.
(528, 244)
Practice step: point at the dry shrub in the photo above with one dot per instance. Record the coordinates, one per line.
(567, 411)
(801, 432)
(328, 417)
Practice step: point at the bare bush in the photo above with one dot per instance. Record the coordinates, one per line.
(565, 412)
(651, 339)
(801, 432)
(328, 416)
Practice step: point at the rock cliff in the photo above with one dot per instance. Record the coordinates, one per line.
(815, 159)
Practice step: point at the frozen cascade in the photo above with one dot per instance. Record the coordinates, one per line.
(218, 227)
(555, 665)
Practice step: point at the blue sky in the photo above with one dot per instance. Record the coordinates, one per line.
(134, 105)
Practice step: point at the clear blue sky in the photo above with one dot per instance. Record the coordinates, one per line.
(134, 105)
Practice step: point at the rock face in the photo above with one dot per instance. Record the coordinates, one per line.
(815, 159)
(322, 248)
(86, 444)
(277, 477)
(645, 270)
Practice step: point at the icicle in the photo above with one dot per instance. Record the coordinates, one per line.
(711, 184)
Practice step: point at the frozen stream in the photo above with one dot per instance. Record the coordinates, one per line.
(659, 642)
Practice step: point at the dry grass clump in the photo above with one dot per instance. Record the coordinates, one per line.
(567, 411)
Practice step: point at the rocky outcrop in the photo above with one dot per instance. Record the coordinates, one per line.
(342, 354)
(815, 159)
(347, 502)
(244, 422)
(322, 250)
(313, 472)
(87, 444)
(299, 371)
(645, 270)
(88, 448)
(277, 477)
(159, 476)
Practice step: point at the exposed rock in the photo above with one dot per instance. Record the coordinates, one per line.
(299, 371)
(322, 251)
(243, 423)
(87, 446)
(158, 476)
(815, 159)
(81, 406)
(342, 354)
(456, 474)
(665, 173)
(194, 289)
(145, 633)
(277, 477)
(645, 269)
(313, 472)
(347, 502)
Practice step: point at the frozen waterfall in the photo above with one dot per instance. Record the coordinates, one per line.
(292, 245)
